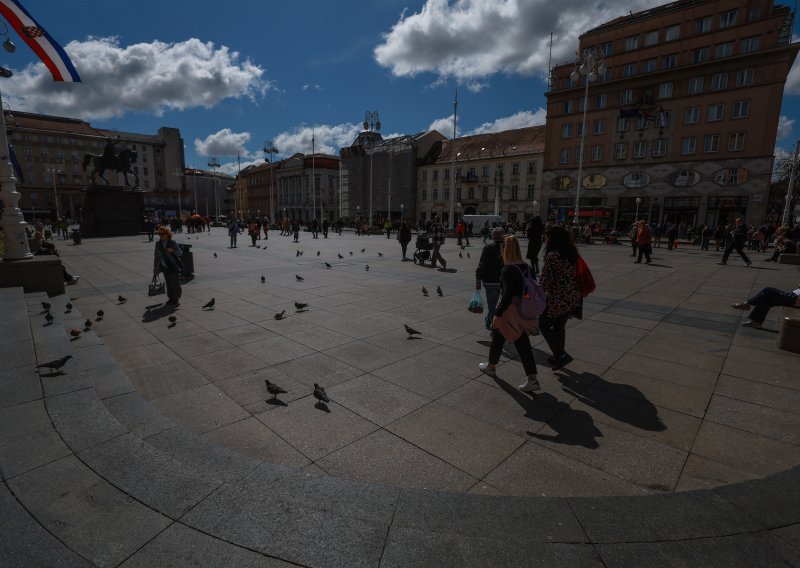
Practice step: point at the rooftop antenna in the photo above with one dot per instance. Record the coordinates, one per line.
(550, 64)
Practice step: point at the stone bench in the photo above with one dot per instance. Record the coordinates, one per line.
(37, 274)
(789, 259)
(789, 332)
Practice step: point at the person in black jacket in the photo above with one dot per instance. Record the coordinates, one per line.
(738, 239)
(490, 266)
(167, 260)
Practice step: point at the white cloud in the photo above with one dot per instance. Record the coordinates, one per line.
(785, 127)
(232, 168)
(445, 126)
(521, 119)
(144, 77)
(223, 143)
(473, 39)
(328, 138)
(307, 86)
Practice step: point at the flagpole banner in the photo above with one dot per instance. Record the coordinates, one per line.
(43, 45)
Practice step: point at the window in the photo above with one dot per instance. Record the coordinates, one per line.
(662, 118)
(670, 61)
(626, 97)
(621, 151)
(723, 50)
(744, 77)
(689, 145)
(607, 49)
(711, 143)
(650, 65)
(695, 85)
(641, 122)
(748, 45)
(754, 14)
(741, 109)
(651, 38)
(145, 171)
(629, 70)
(569, 106)
(719, 81)
(659, 147)
(665, 90)
(599, 126)
(703, 25)
(735, 141)
(700, 55)
(639, 149)
(578, 155)
(458, 193)
(601, 101)
(435, 193)
(59, 154)
(563, 156)
(76, 168)
(471, 193)
(514, 169)
(424, 194)
(631, 43)
(672, 33)
(27, 151)
(597, 153)
(435, 175)
(566, 131)
(485, 171)
(716, 112)
(484, 193)
(579, 129)
(447, 173)
(727, 19)
(514, 192)
(144, 158)
(530, 192)
(623, 123)
(424, 175)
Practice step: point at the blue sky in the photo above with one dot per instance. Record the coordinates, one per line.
(231, 76)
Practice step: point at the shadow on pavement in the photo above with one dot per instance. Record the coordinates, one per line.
(157, 313)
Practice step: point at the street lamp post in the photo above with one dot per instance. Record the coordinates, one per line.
(214, 164)
(270, 148)
(53, 171)
(401, 212)
(638, 201)
(590, 65)
(498, 185)
(790, 189)
(372, 124)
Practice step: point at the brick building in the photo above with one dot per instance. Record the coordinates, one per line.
(685, 117)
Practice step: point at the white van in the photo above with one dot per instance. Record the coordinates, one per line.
(478, 221)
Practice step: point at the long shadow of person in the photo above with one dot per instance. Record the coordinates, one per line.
(619, 401)
(158, 312)
(573, 427)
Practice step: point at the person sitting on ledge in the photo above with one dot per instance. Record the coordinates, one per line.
(783, 245)
(765, 299)
(41, 247)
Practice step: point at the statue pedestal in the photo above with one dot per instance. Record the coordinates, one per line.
(39, 274)
(112, 211)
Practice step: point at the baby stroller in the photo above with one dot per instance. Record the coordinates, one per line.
(424, 248)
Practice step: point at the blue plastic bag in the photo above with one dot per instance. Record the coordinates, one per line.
(476, 303)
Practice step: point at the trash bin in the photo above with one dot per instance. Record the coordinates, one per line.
(187, 258)
(76, 236)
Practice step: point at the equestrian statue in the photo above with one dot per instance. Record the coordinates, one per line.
(111, 160)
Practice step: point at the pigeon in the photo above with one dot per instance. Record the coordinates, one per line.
(300, 306)
(298, 254)
(258, 246)
(274, 389)
(215, 255)
(172, 319)
(340, 256)
(49, 317)
(46, 305)
(351, 253)
(279, 316)
(363, 250)
(317, 253)
(411, 331)
(380, 254)
(301, 252)
(439, 291)
(209, 305)
(368, 268)
(55, 365)
(328, 265)
(320, 394)
(100, 314)
(74, 332)
(87, 324)
(424, 291)
(69, 308)
(299, 278)
(263, 279)
(460, 255)
(121, 299)
(468, 256)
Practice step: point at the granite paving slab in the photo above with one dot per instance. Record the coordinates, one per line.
(755, 418)
(319, 368)
(704, 473)
(200, 409)
(787, 400)
(250, 437)
(771, 501)
(225, 364)
(376, 400)
(137, 414)
(274, 349)
(663, 394)
(18, 385)
(162, 380)
(28, 439)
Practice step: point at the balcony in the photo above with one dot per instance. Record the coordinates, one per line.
(467, 178)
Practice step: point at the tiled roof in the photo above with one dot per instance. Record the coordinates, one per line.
(528, 140)
(18, 119)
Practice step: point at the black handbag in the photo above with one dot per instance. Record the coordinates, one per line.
(157, 287)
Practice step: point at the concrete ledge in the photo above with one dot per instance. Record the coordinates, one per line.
(789, 259)
(37, 274)
(789, 332)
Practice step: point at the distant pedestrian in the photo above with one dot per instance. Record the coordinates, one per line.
(460, 230)
(632, 233)
(719, 233)
(150, 226)
(233, 233)
(644, 235)
(387, 226)
(296, 230)
(438, 238)
(404, 236)
(325, 226)
(490, 268)
(672, 236)
(167, 260)
(705, 237)
(738, 239)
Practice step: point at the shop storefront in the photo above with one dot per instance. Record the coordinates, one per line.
(627, 212)
(724, 210)
(682, 211)
(593, 211)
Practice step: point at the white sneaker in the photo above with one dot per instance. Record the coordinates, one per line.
(531, 386)
(491, 371)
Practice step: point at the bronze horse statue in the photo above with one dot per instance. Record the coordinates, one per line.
(121, 163)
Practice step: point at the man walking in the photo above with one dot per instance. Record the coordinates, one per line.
(644, 235)
(437, 239)
(490, 267)
(738, 238)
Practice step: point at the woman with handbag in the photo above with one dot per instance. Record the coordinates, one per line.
(508, 323)
(167, 260)
(558, 278)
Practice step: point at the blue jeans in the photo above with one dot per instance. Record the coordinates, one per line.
(492, 295)
(769, 298)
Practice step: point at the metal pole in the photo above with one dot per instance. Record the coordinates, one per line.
(790, 191)
(372, 153)
(55, 192)
(580, 161)
(389, 192)
(453, 165)
(194, 185)
(498, 184)
(12, 220)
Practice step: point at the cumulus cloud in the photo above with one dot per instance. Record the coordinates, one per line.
(473, 39)
(445, 126)
(328, 138)
(521, 119)
(785, 127)
(224, 142)
(144, 77)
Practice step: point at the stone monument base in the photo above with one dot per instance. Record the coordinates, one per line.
(112, 211)
(36, 274)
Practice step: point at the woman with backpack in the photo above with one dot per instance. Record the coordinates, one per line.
(508, 323)
(558, 278)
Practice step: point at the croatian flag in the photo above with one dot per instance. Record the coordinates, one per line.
(42, 44)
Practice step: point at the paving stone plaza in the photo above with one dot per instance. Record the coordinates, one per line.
(672, 439)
